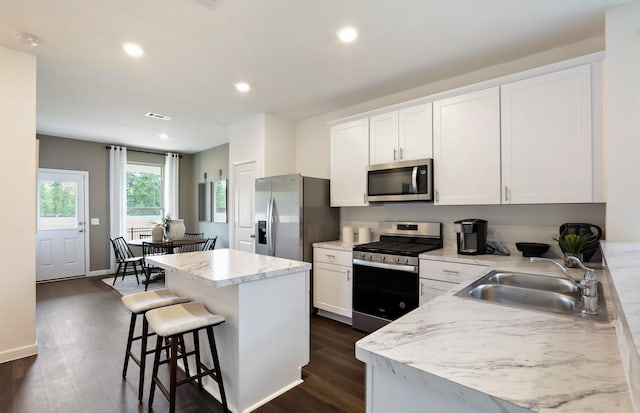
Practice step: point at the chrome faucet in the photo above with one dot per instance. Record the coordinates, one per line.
(588, 284)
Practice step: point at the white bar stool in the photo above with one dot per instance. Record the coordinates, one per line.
(172, 323)
(140, 303)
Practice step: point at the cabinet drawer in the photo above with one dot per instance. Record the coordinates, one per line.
(449, 271)
(333, 256)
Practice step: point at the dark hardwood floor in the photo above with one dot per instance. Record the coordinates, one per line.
(81, 331)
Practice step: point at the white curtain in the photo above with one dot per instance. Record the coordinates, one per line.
(117, 193)
(171, 185)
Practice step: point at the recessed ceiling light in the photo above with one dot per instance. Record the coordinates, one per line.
(163, 136)
(132, 49)
(28, 38)
(243, 87)
(157, 116)
(348, 34)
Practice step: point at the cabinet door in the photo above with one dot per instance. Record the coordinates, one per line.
(466, 149)
(546, 138)
(383, 138)
(415, 140)
(332, 287)
(349, 160)
(430, 289)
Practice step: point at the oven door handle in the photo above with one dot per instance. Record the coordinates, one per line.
(397, 267)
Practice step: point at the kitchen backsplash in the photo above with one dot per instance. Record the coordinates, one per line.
(508, 224)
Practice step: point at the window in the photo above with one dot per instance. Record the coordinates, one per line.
(144, 198)
(58, 205)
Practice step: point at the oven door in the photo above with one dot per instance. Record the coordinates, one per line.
(382, 293)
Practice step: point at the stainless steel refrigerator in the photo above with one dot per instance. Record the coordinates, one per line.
(292, 212)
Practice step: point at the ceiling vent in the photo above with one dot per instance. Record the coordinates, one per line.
(157, 116)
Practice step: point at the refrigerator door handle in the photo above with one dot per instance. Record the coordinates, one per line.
(270, 246)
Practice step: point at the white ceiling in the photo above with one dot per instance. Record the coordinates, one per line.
(195, 50)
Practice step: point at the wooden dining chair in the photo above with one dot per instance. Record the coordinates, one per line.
(195, 246)
(151, 249)
(124, 257)
(209, 244)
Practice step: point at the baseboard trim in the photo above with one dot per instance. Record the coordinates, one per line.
(335, 317)
(18, 353)
(99, 273)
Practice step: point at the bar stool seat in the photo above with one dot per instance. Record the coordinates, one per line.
(172, 323)
(149, 300)
(139, 304)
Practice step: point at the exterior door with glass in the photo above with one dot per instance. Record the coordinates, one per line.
(60, 241)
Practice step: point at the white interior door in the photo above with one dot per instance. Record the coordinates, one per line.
(244, 209)
(60, 241)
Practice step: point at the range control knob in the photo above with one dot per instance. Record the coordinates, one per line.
(397, 259)
(406, 260)
(370, 256)
(383, 258)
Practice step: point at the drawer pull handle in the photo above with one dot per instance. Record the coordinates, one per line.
(451, 272)
(331, 256)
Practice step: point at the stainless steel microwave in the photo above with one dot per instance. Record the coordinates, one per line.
(400, 181)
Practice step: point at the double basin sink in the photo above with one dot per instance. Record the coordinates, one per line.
(534, 292)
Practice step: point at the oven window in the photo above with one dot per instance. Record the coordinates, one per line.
(384, 293)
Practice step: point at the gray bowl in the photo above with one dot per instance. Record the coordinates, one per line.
(532, 249)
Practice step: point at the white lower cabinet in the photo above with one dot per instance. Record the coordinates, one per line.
(439, 277)
(332, 281)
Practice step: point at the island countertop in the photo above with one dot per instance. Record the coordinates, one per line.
(226, 267)
(491, 355)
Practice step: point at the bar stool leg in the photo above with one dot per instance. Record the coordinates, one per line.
(216, 365)
(173, 370)
(183, 350)
(132, 326)
(156, 364)
(196, 345)
(143, 356)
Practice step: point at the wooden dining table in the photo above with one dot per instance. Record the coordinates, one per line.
(176, 242)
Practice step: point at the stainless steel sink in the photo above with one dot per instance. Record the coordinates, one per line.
(533, 292)
(525, 297)
(537, 282)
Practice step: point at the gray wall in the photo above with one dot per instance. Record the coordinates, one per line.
(74, 154)
(210, 161)
(59, 153)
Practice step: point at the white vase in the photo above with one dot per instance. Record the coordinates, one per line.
(157, 233)
(176, 229)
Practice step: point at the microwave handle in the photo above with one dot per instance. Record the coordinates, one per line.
(414, 180)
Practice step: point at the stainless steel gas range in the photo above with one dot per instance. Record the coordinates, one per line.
(386, 275)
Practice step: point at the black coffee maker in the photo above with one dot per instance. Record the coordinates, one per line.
(472, 236)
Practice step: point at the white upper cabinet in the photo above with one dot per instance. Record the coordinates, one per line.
(383, 141)
(401, 135)
(546, 138)
(349, 161)
(466, 148)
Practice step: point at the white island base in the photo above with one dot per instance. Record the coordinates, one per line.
(264, 342)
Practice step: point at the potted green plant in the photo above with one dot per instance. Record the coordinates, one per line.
(575, 245)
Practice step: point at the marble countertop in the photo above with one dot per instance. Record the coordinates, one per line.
(336, 245)
(224, 267)
(503, 358)
(450, 254)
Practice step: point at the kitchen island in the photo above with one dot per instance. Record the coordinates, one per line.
(461, 355)
(264, 342)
